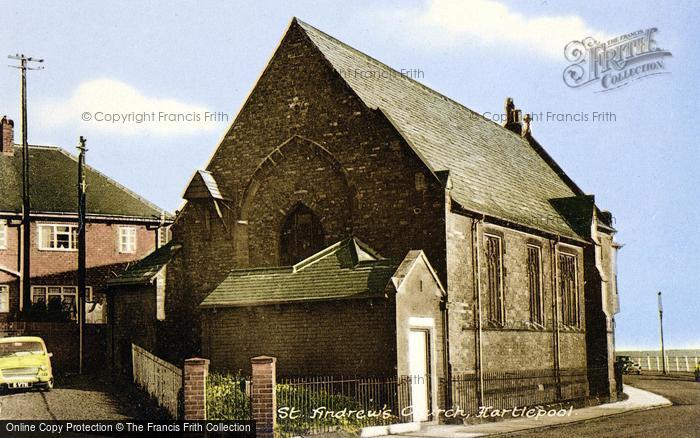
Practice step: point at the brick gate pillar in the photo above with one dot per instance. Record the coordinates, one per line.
(195, 388)
(264, 395)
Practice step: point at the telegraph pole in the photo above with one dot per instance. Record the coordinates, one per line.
(81, 247)
(26, 224)
(661, 325)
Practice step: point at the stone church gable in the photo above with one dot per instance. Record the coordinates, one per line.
(297, 172)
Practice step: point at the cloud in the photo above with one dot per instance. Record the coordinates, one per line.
(111, 106)
(451, 23)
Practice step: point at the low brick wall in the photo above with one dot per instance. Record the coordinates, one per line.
(61, 339)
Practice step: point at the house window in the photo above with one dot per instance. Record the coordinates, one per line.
(568, 285)
(3, 234)
(127, 240)
(4, 299)
(58, 237)
(59, 297)
(534, 273)
(494, 264)
(302, 235)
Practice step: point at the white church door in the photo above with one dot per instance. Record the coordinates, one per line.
(419, 367)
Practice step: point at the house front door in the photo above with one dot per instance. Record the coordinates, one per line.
(419, 367)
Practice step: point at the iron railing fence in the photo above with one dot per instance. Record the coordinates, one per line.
(511, 389)
(313, 405)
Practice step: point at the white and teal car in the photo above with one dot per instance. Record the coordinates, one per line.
(25, 363)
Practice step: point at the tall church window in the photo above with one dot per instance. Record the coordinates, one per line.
(534, 274)
(569, 290)
(494, 266)
(302, 235)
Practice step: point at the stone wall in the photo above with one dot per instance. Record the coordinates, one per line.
(303, 137)
(518, 344)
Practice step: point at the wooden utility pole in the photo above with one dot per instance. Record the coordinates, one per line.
(26, 223)
(81, 247)
(661, 325)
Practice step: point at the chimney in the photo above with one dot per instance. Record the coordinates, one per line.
(526, 126)
(513, 116)
(7, 130)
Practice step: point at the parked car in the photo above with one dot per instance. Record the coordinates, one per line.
(25, 363)
(629, 366)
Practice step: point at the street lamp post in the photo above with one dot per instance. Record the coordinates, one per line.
(661, 325)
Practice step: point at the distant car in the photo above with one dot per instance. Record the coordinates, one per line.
(629, 366)
(25, 363)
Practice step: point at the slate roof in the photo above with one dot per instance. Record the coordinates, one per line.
(493, 170)
(145, 270)
(203, 185)
(53, 187)
(345, 270)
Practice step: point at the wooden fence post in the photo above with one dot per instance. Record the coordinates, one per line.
(264, 395)
(195, 388)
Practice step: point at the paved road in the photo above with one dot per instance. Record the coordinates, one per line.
(74, 398)
(680, 420)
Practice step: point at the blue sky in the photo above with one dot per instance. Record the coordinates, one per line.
(205, 56)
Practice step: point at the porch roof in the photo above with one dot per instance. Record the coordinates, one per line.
(346, 270)
(146, 269)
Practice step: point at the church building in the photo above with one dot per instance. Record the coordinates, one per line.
(353, 221)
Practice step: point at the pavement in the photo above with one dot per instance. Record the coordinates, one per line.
(637, 400)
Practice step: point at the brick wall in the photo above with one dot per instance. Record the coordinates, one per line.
(195, 388)
(58, 268)
(343, 338)
(61, 339)
(133, 319)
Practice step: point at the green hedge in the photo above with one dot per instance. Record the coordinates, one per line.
(226, 398)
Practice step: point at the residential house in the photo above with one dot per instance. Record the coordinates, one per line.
(121, 227)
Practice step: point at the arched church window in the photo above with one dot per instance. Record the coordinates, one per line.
(302, 235)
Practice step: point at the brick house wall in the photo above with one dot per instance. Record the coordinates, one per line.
(341, 338)
(59, 268)
(9, 259)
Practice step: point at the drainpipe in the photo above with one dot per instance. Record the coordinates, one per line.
(447, 371)
(476, 272)
(555, 314)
